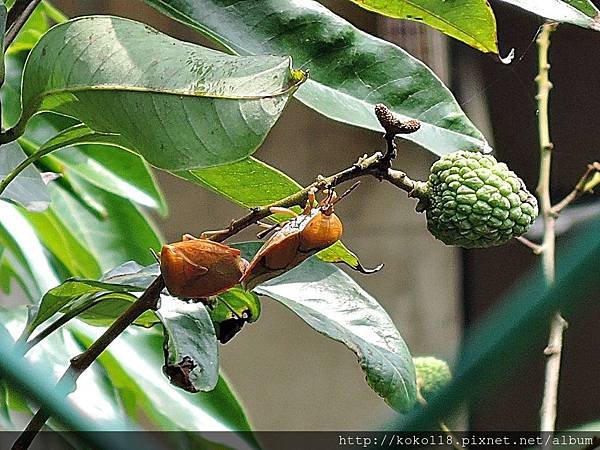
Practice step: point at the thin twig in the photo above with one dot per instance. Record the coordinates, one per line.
(537, 249)
(376, 165)
(578, 190)
(17, 16)
(554, 349)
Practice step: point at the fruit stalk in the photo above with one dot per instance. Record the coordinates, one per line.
(554, 349)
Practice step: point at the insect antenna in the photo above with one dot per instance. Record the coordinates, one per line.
(350, 189)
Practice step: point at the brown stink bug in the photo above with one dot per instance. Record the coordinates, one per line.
(196, 268)
(297, 239)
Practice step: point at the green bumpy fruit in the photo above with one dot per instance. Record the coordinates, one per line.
(432, 375)
(474, 201)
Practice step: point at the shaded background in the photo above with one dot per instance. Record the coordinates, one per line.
(291, 378)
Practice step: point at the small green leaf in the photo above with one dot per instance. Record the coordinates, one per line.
(191, 351)
(333, 304)
(339, 253)
(592, 183)
(132, 274)
(191, 107)
(350, 71)
(231, 310)
(68, 292)
(103, 308)
(471, 21)
(577, 12)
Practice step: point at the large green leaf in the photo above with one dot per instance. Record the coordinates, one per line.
(30, 259)
(28, 188)
(177, 104)
(577, 12)
(93, 157)
(134, 362)
(350, 71)
(127, 383)
(191, 348)
(471, 21)
(69, 250)
(123, 234)
(120, 172)
(333, 304)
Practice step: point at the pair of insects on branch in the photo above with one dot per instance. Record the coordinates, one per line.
(201, 268)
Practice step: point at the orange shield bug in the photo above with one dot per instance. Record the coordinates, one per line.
(196, 268)
(299, 238)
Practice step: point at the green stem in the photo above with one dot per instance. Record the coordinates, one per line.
(555, 340)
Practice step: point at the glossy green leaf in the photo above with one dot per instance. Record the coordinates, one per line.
(248, 182)
(470, 21)
(190, 107)
(577, 12)
(191, 349)
(122, 173)
(132, 274)
(350, 71)
(129, 373)
(124, 234)
(70, 292)
(28, 188)
(231, 310)
(103, 308)
(333, 304)
(76, 258)
(31, 260)
(133, 363)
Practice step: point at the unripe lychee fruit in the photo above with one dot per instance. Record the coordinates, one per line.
(432, 375)
(475, 201)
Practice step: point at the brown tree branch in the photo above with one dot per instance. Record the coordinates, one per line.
(377, 165)
(16, 18)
